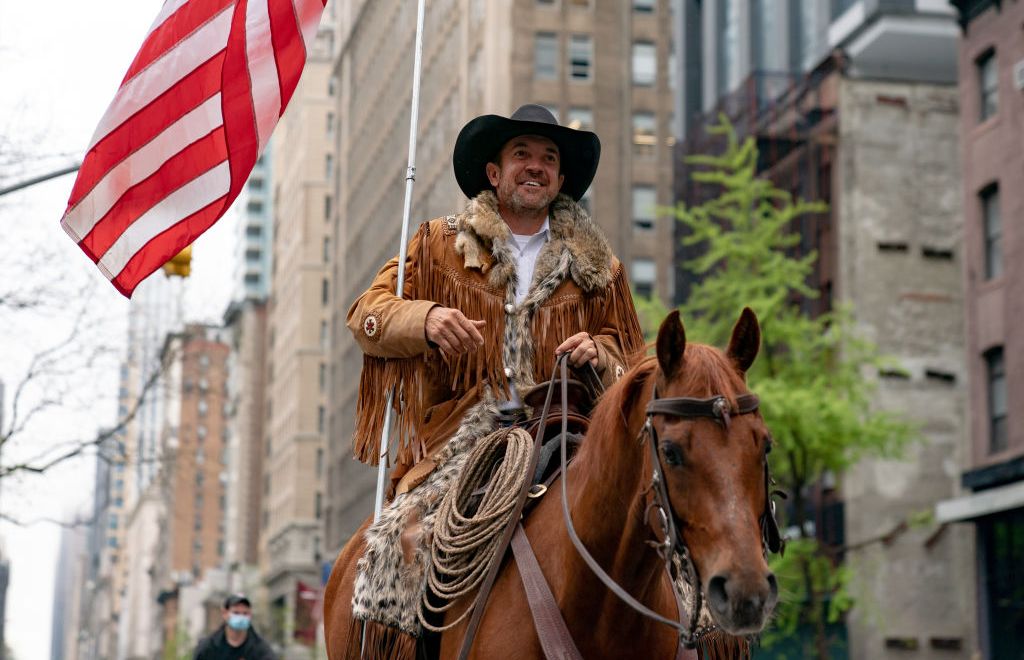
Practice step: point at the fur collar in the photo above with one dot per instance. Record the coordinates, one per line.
(483, 239)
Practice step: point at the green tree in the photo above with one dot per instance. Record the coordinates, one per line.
(813, 374)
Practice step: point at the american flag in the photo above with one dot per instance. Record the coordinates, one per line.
(185, 128)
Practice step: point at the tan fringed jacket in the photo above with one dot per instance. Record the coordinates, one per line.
(465, 262)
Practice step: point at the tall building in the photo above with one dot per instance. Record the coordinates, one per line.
(291, 528)
(601, 65)
(72, 562)
(854, 103)
(254, 242)
(992, 498)
(137, 459)
(98, 635)
(245, 322)
(191, 497)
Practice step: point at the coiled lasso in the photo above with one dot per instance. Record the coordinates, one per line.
(464, 546)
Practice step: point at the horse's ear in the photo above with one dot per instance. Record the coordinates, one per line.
(745, 341)
(671, 344)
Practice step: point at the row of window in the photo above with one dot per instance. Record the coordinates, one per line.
(581, 59)
(645, 127)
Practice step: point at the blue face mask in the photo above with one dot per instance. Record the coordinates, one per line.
(238, 621)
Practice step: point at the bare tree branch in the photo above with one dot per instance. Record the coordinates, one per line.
(39, 465)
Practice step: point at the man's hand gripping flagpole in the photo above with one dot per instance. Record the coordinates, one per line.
(410, 178)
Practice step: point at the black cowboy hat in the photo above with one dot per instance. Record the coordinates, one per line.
(482, 138)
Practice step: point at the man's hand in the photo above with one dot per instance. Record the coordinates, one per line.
(452, 331)
(581, 348)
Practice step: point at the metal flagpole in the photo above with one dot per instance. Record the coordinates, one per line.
(410, 178)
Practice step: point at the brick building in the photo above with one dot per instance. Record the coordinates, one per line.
(992, 135)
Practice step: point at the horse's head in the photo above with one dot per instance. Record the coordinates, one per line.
(715, 472)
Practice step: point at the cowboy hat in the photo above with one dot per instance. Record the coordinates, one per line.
(482, 138)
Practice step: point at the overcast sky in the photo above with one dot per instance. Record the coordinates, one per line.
(61, 62)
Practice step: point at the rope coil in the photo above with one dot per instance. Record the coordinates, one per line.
(465, 543)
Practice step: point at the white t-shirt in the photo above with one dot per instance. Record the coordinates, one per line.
(528, 248)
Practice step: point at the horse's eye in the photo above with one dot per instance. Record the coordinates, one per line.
(672, 453)
(767, 444)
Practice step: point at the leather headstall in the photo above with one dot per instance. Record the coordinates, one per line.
(717, 408)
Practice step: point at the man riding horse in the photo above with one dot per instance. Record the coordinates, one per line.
(493, 294)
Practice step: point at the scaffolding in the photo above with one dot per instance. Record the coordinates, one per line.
(794, 121)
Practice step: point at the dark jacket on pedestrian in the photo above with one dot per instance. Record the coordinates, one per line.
(216, 647)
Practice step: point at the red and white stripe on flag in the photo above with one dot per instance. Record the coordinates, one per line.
(185, 128)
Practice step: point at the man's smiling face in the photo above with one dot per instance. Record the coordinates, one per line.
(526, 176)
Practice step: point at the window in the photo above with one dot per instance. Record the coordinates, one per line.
(645, 65)
(580, 4)
(323, 335)
(727, 20)
(254, 206)
(644, 137)
(252, 278)
(323, 377)
(581, 119)
(547, 3)
(643, 274)
(992, 232)
(327, 208)
(319, 462)
(321, 419)
(325, 292)
(988, 85)
(327, 249)
(545, 56)
(256, 183)
(113, 522)
(644, 6)
(254, 231)
(581, 54)
(329, 167)
(252, 255)
(330, 123)
(996, 379)
(644, 203)
(318, 506)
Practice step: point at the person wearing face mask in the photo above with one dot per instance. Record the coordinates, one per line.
(235, 639)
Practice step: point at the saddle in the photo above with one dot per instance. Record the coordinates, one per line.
(583, 392)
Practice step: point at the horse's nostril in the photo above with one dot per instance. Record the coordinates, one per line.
(717, 596)
(773, 587)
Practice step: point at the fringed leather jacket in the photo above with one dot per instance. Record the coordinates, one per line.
(465, 262)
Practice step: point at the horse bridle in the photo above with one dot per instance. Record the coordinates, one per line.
(671, 544)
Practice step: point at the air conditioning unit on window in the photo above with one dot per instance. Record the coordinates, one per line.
(1018, 75)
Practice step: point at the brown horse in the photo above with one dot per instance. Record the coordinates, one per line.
(715, 475)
